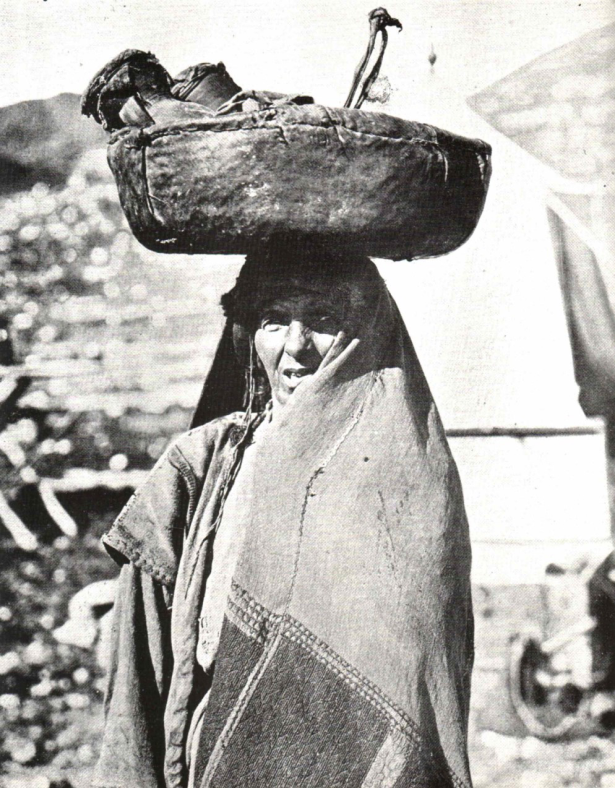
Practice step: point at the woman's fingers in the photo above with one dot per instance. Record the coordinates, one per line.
(339, 350)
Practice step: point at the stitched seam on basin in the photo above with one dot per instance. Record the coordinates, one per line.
(411, 140)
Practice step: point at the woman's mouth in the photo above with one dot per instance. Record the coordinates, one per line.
(295, 375)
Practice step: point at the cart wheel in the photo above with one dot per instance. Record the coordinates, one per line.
(548, 708)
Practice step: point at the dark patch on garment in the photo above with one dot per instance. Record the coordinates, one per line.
(238, 654)
(303, 726)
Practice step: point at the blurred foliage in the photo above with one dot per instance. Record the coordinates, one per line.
(115, 369)
(54, 245)
(44, 684)
(115, 341)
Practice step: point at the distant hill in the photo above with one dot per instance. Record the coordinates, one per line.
(40, 141)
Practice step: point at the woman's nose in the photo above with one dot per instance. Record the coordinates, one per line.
(298, 338)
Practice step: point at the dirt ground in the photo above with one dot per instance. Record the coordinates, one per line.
(507, 762)
(497, 762)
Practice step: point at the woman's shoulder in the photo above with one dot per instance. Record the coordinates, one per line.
(196, 446)
(145, 532)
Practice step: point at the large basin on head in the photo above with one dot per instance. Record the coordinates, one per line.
(359, 180)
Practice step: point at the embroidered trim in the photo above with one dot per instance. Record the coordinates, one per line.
(182, 465)
(126, 547)
(389, 763)
(247, 614)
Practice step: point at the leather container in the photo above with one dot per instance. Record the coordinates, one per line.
(363, 181)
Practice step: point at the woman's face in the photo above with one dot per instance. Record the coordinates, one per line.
(294, 334)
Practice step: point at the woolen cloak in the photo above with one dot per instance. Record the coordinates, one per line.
(347, 643)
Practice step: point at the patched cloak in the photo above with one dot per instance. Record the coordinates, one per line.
(347, 644)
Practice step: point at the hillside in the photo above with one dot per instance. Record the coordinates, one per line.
(41, 140)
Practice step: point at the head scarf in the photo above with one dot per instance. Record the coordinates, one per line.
(346, 650)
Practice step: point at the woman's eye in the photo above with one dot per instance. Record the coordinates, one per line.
(273, 322)
(326, 324)
(319, 324)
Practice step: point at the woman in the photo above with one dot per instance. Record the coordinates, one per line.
(295, 602)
